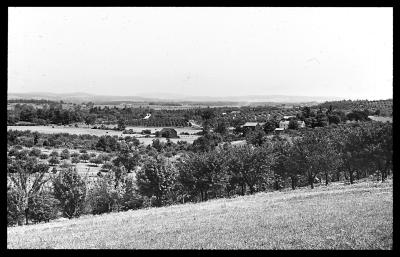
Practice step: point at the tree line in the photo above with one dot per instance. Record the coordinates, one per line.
(347, 152)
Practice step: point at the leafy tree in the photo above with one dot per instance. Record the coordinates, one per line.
(84, 157)
(313, 153)
(70, 191)
(222, 127)
(54, 154)
(43, 207)
(43, 156)
(270, 126)
(90, 119)
(54, 161)
(203, 173)
(322, 120)
(65, 154)
(207, 116)
(75, 160)
(26, 178)
(156, 178)
(256, 137)
(106, 167)
(293, 124)
(131, 199)
(107, 144)
(35, 152)
(206, 143)
(285, 165)
(129, 159)
(121, 124)
(334, 119)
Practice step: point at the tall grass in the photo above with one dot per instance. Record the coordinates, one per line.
(335, 217)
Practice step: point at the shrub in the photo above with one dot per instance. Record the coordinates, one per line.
(35, 152)
(54, 154)
(43, 207)
(106, 167)
(75, 160)
(43, 156)
(54, 161)
(84, 157)
(13, 152)
(146, 132)
(104, 157)
(70, 191)
(74, 154)
(65, 154)
(82, 151)
(14, 215)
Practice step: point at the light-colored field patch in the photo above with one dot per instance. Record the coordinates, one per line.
(101, 132)
(339, 217)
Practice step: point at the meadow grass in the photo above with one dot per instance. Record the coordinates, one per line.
(102, 132)
(358, 216)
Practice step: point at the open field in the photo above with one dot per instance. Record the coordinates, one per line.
(102, 132)
(358, 216)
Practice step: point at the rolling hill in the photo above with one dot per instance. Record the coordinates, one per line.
(358, 216)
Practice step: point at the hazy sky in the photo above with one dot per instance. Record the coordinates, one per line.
(344, 52)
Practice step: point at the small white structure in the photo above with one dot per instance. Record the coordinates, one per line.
(148, 115)
(288, 117)
(284, 124)
(252, 124)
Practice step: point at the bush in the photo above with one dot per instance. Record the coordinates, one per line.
(84, 157)
(70, 191)
(82, 151)
(95, 161)
(107, 166)
(74, 154)
(54, 154)
(13, 152)
(14, 216)
(75, 160)
(54, 161)
(65, 154)
(35, 152)
(43, 156)
(100, 197)
(104, 157)
(43, 207)
(146, 132)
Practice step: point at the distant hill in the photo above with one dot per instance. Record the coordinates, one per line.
(79, 97)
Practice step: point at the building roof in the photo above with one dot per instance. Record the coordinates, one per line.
(252, 124)
(279, 129)
(381, 119)
(288, 117)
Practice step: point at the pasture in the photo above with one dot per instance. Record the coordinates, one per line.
(358, 216)
(101, 132)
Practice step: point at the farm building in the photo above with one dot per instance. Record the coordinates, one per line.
(285, 124)
(252, 125)
(148, 115)
(381, 119)
(167, 133)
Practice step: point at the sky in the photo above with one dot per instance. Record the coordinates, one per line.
(341, 52)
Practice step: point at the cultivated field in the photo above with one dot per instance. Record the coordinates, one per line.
(102, 132)
(358, 216)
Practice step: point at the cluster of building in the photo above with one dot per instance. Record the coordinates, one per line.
(283, 124)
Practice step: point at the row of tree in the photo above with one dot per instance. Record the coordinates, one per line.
(343, 153)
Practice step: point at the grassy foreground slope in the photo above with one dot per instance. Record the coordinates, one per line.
(358, 216)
